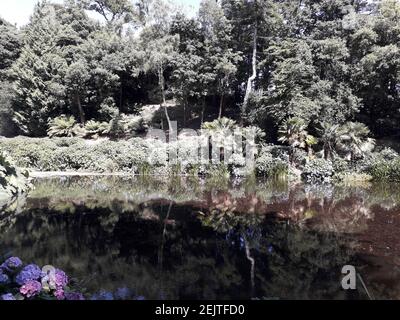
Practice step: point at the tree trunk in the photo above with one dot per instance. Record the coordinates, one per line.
(162, 85)
(80, 109)
(253, 76)
(221, 106)
(120, 98)
(326, 153)
(310, 152)
(164, 101)
(203, 109)
(184, 111)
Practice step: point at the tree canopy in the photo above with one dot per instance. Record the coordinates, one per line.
(259, 62)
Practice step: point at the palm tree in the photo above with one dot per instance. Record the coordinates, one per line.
(354, 139)
(220, 124)
(310, 142)
(329, 135)
(293, 132)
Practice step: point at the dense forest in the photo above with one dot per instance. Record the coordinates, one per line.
(259, 62)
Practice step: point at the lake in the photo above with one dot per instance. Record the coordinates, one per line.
(185, 238)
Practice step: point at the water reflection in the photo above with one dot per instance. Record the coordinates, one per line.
(190, 239)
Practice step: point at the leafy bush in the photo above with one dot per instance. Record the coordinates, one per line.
(63, 154)
(340, 165)
(95, 129)
(134, 125)
(12, 180)
(385, 170)
(62, 127)
(318, 170)
(269, 166)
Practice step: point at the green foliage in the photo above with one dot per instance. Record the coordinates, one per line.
(62, 126)
(12, 180)
(302, 71)
(354, 139)
(293, 132)
(10, 46)
(386, 170)
(95, 129)
(318, 170)
(220, 125)
(384, 166)
(268, 166)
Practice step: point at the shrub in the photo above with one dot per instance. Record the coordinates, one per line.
(134, 125)
(95, 129)
(340, 165)
(12, 180)
(272, 162)
(318, 170)
(385, 170)
(62, 127)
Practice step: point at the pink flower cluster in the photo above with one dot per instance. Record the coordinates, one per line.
(31, 288)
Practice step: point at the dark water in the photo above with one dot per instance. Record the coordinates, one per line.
(191, 239)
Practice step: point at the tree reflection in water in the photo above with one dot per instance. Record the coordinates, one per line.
(200, 240)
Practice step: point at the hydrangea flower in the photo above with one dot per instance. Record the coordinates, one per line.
(74, 296)
(61, 279)
(30, 272)
(59, 294)
(103, 295)
(4, 279)
(11, 264)
(140, 298)
(31, 288)
(7, 297)
(122, 293)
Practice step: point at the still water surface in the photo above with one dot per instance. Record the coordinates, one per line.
(191, 239)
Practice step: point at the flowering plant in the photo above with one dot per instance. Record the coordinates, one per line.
(19, 282)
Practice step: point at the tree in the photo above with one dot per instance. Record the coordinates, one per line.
(76, 77)
(10, 46)
(10, 49)
(219, 51)
(52, 48)
(159, 53)
(115, 12)
(354, 139)
(160, 47)
(294, 133)
(188, 63)
(329, 136)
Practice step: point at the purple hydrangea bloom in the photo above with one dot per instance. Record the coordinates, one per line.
(11, 264)
(140, 298)
(7, 297)
(94, 297)
(59, 294)
(30, 272)
(31, 288)
(104, 295)
(4, 279)
(122, 293)
(61, 279)
(74, 296)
